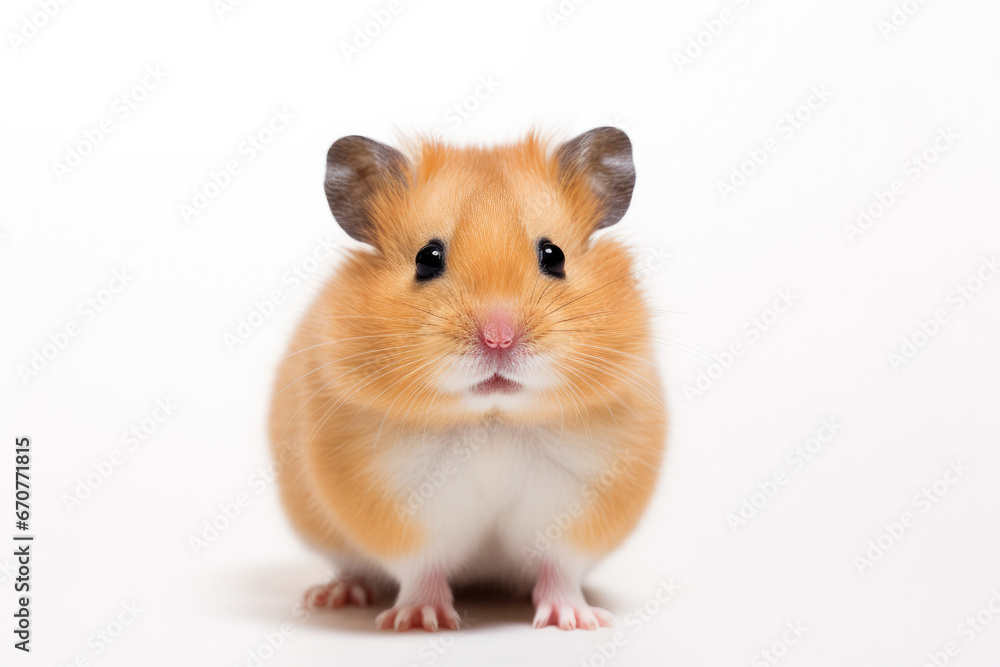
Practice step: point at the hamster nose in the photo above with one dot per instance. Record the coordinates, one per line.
(497, 330)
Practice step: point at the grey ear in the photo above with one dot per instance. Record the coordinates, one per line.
(357, 169)
(603, 158)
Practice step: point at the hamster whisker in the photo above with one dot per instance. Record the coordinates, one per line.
(588, 331)
(613, 393)
(423, 310)
(339, 359)
(306, 402)
(581, 406)
(381, 371)
(645, 361)
(303, 376)
(360, 317)
(705, 354)
(411, 321)
(586, 378)
(596, 289)
(654, 312)
(562, 414)
(390, 334)
(608, 349)
(409, 406)
(711, 318)
(695, 351)
(413, 401)
(600, 312)
(549, 284)
(583, 377)
(622, 378)
(347, 372)
(389, 369)
(605, 360)
(613, 368)
(412, 382)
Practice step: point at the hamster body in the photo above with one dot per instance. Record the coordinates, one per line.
(474, 397)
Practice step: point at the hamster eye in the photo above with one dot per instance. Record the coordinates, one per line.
(551, 259)
(430, 261)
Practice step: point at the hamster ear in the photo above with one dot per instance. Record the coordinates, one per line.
(602, 157)
(357, 170)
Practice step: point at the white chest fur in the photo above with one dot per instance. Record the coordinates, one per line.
(485, 494)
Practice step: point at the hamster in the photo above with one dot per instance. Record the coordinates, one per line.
(473, 396)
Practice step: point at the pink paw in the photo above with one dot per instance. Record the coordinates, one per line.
(430, 617)
(569, 616)
(339, 592)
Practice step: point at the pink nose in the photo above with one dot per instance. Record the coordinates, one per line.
(498, 330)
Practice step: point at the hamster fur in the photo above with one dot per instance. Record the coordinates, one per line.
(496, 421)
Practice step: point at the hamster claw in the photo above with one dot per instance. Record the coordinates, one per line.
(338, 593)
(568, 616)
(428, 617)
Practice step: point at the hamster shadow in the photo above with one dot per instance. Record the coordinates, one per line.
(273, 593)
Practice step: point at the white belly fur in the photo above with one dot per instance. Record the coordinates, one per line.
(484, 496)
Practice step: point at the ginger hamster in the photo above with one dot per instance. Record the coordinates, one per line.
(472, 397)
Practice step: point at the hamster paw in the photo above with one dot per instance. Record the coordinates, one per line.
(430, 617)
(339, 592)
(569, 616)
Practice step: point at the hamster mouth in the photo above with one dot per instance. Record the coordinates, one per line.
(496, 384)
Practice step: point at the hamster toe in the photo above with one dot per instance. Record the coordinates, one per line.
(429, 617)
(569, 616)
(339, 592)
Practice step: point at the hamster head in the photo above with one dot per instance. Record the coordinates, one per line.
(483, 292)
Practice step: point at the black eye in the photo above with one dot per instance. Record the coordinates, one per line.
(430, 261)
(551, 259)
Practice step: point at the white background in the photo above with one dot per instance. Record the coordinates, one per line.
(855, 299)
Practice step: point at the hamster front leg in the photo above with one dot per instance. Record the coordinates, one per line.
(425, 600)
(558, 596)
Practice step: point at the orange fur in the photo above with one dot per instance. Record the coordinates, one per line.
(359, 372)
